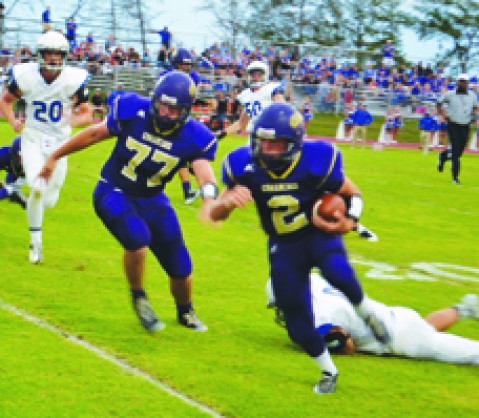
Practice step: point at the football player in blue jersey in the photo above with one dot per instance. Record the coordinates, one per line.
(285, 176)
(154, 138)
(183, 61)
(11, 162)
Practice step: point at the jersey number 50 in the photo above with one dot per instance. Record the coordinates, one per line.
(252, 108)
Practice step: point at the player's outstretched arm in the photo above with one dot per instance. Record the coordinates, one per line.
(228, 200)
(81, 140)
(239, 125)
(82, 115)
(6, 101)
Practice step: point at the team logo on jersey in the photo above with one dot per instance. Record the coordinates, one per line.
(249, 168)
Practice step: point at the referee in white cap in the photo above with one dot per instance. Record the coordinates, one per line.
(462, 104)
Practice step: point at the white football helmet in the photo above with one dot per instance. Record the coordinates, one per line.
(257, 66)
(52, 41)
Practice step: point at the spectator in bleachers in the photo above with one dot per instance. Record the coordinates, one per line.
(162, 58)
(46, 19)
(146, 59)
(165, 37)
(426, 94)
(118, 56)
(110, 44)
(388, 54)
(71, 33)
(89, 39)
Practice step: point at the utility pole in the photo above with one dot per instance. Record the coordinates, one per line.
(2, 23)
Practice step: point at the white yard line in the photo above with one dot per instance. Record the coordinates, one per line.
(109, 357)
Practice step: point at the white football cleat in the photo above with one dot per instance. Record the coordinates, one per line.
(469, 306)
(191, 196)
(35, 254)
(366, 233)
(326, 384)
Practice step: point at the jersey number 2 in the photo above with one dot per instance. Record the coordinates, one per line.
(286, 218)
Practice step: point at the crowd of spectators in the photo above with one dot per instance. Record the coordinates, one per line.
(326, 79)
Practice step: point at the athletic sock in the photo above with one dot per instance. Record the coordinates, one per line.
(35, 216)
(186, 187)
(325, 362)
(135, 294)
(182, 309)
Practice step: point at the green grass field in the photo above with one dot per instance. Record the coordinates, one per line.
(245, 365)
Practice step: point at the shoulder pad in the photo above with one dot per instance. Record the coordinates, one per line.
(322, 156)
(127, 105)
(203, 137)
(236, 163)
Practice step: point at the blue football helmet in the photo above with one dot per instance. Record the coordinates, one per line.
(182, 56)
(175, 89)
(277, 121)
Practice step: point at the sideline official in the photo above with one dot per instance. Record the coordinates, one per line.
(462, 105)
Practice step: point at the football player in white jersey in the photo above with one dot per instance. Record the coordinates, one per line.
(411, 335)
(56, 99)
(255, 98)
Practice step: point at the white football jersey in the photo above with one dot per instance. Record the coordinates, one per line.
(48, 105)
(411, 335)
(331, 306)
(254, 102)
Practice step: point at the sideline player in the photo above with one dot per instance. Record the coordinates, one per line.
(56, 99)
(255, 98)
(285, 176)
(154, 138)
(10, 161)
(411, 335)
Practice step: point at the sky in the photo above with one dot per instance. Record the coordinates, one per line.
(194, 28)
(189, 18)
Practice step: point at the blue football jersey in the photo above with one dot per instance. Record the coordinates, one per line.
(285, 202)
(142, 161)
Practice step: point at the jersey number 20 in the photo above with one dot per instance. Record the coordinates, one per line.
(45, 112)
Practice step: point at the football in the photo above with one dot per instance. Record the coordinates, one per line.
(327, 204)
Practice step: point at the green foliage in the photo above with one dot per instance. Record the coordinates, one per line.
(455, 22)
(244, 366)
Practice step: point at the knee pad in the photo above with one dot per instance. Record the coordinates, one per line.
(121, 219)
